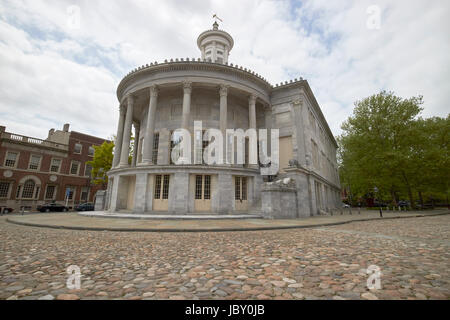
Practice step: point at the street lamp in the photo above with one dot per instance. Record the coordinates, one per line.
(375, 189)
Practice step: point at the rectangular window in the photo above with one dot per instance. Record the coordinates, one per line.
(237, 188)
(74, 167)
(35, 162)
(50, 193)
(207, 188)
(155, 148)
(244, 188)
(55, 165)
(88, 170)
(4, 189)
(165, 192)
(28, 189)
(84, 194)
(219, 52)
(77, 149)
(70, 191)
(11, 159)
(198, 187)
(158, 187)
(91, 151)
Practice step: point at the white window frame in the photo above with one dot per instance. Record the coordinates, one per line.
(85, 166)
(39, 164)
(74, 148)
(88, 191)
(15, 163)
(91, 147)
(8, 192)
(51, 164)
(54, 193)
(73, 189)
(78, 169)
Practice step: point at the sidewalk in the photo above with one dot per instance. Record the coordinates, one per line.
(73, 221)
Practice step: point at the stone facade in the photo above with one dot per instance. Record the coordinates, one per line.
(158, 98)
(35, 171)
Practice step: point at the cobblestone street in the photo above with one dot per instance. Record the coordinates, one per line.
(320, 263)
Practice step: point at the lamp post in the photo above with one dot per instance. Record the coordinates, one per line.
(375, 189)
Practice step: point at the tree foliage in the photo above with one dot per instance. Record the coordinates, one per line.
(103, 159)
(386, 144)
(102, 162)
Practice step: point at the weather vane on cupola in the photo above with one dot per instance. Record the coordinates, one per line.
(215, 17)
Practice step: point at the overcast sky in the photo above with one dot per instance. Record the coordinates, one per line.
(56, 68)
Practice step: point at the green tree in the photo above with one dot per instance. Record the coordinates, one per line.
(103, 159)
(102, 162)
(375, 147)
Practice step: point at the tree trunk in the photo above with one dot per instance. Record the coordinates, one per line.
(394, 198)
(421, 199)
(411, 198)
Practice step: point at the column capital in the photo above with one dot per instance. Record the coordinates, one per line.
(154, 91)
(267, 107)
(122, 110)
(297, 101)
(252, 99)
(223, 90)
(130, 99)
(187, 87)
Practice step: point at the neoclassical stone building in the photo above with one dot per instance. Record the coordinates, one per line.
(158, 98)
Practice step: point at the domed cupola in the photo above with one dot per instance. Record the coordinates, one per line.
(215, 45)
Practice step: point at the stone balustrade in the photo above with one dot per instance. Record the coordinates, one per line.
(30, 140)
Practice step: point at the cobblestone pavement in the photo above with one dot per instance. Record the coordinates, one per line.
(321, 263)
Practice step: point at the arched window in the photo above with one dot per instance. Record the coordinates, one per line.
(28, 189)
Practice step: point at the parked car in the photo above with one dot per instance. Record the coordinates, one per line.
(6, 210)
(85, 207)
(403, 203)
(344, 205)
(52, 207)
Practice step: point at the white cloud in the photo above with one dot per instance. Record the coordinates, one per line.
(53, 74)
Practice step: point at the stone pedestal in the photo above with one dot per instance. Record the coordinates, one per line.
(279, 199)
(100, 200)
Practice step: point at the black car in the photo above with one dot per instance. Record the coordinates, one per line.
(6, 210)
(52, 207)
(85, 207)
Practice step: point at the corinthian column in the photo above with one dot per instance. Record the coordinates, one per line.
(223, 117)
(252, 148)
(187, 88)
(119, 137)
(137, 128)
(252, 112)
(127, 133)
(149, 131)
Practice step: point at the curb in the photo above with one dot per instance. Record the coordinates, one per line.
(216, 230)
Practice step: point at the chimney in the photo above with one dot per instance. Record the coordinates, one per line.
(66, 127)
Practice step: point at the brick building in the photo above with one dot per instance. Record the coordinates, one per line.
(35, 171)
